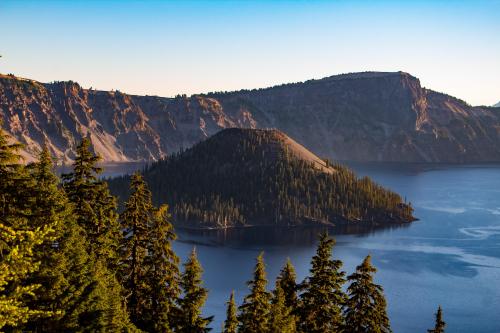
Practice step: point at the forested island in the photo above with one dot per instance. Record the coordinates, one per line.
(245, 177)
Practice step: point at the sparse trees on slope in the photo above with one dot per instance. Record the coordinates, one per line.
(365, 310)
(322, 298)
(440, 324)
(254, 312)
(231, 322)
(194, 297)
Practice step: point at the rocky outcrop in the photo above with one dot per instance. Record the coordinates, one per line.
(368, 116)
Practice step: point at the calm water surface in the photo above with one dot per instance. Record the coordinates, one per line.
(450, 257)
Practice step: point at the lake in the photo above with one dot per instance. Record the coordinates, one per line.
(451, 256)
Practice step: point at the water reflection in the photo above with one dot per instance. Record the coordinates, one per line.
(276, 236)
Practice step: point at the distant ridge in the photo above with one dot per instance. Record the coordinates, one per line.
(368, 116)
(497, 105)
(247, 177)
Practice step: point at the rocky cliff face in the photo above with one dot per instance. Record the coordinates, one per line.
(363, 116)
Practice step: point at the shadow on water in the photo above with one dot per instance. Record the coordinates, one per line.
(274, 236)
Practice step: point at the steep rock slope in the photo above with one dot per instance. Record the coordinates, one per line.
(368, 116)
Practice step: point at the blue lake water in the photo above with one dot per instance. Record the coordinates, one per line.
(451, 256)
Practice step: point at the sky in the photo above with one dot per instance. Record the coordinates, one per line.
(167, 48)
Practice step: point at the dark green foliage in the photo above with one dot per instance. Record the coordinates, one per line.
(322, 298)
(255, 310)
(98, 304)
(163, 272)
(50, 208)
(286, 281)
(250, 177)
(149, 267)
(282, 319)
(365, 309)
(194, 296)
(440, 324)
(94, 206)
(231, 322)
(135, 222)
(19, 241)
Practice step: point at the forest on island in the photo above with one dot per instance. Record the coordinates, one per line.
(242, 177)
(71, 262)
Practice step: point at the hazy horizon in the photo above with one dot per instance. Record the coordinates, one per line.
(167, 48)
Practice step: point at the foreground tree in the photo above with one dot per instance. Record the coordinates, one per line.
(322, 298)
(16, 265)
(282, 319)
(365, 309)
(286, 281)
(94, 206)
(440, 324)
(255, 310)
(18, 240)
(163, 272)
(191, 304)
(135, 222)
(98, 305)
(231, 322)
(49, 209)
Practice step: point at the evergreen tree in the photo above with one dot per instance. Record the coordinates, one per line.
(163, 272)
(323, 298)
(50, 209)
(440, 324)
(231, 322)
(365, 310)
(96, 304)
(255, 310)
(79, 291)
(16, 265)
(17, 240)
(282, 319)
(194, 297)
(286, 280)
(135, 222)
(94, 206)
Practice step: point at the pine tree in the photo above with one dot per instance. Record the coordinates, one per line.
(287, 281)
(94, 206)
(100, 307)
(163, 272)
(440, 324)
(231, 322)
(365, 310)
(49, 209)
(74, 286)
(17, 241)
(282, 319)
(194, 297)
(255, 310)
(135, 222)
(323, 298)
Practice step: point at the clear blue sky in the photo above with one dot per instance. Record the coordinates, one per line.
(166, 47)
